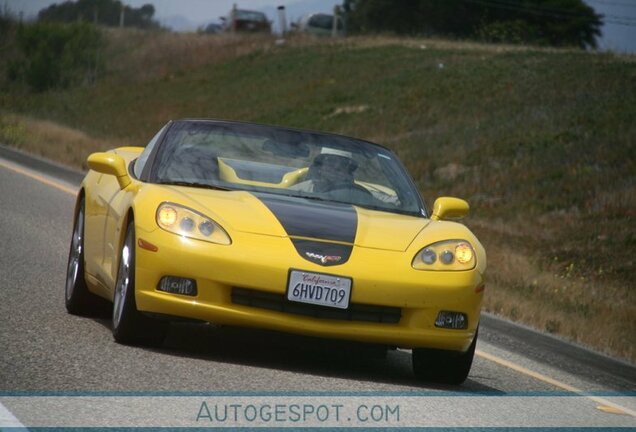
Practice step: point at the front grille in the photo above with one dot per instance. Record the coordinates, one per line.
(278, 302)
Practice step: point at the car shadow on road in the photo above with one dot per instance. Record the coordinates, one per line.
(301, 354)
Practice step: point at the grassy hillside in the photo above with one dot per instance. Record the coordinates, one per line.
(542, 143)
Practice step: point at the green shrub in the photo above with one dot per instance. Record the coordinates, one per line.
(515, 32)
(6, 24)
(57, 55)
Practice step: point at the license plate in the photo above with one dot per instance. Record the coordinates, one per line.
(319, 289)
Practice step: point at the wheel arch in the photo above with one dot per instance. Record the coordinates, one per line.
(126, 220)
(123, 228)
(130, 217)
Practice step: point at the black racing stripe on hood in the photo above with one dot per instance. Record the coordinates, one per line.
(308, 218)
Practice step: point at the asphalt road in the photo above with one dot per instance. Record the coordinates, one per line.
(42, 348)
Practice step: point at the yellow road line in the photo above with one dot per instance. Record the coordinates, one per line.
(605, 405)
(38, 177)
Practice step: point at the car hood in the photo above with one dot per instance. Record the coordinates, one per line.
(300, 218)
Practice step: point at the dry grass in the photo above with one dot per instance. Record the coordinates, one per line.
(443, 44)
(50, 140)
(554, 298)
(621, 200)
(139, 55)
(605, 327)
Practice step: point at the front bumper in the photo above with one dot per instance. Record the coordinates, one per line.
(261, 263)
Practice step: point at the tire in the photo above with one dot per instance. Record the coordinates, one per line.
(129, 326)
(447, 367)
(77, 298)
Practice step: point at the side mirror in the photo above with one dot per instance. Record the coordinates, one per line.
(111, 164)
(449, 208)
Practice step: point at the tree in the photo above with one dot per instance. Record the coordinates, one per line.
(146, 12)
(544, 22)
(105, 12)
(56, 55)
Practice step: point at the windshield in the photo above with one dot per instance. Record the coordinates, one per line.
(257, 158)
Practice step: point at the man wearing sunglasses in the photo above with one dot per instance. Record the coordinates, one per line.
(331, 172)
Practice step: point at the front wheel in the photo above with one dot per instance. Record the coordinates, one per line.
(78, 300)
(128, 324)
(448, 367)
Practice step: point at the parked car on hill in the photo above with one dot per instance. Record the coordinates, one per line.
(246, 21)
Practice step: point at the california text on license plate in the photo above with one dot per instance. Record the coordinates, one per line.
(319, 289)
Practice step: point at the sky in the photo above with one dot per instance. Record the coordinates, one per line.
(619, 32)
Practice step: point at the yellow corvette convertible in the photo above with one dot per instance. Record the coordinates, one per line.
(284, 229)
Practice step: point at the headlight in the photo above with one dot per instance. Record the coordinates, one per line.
(189, 223)
(445, 255)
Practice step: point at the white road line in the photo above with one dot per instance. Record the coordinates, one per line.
(8, 420)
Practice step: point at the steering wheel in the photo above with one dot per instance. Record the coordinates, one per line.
(352, 191)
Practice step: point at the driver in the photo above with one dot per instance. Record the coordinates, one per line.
(332, 169)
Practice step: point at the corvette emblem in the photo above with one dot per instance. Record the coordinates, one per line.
(323, 258)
